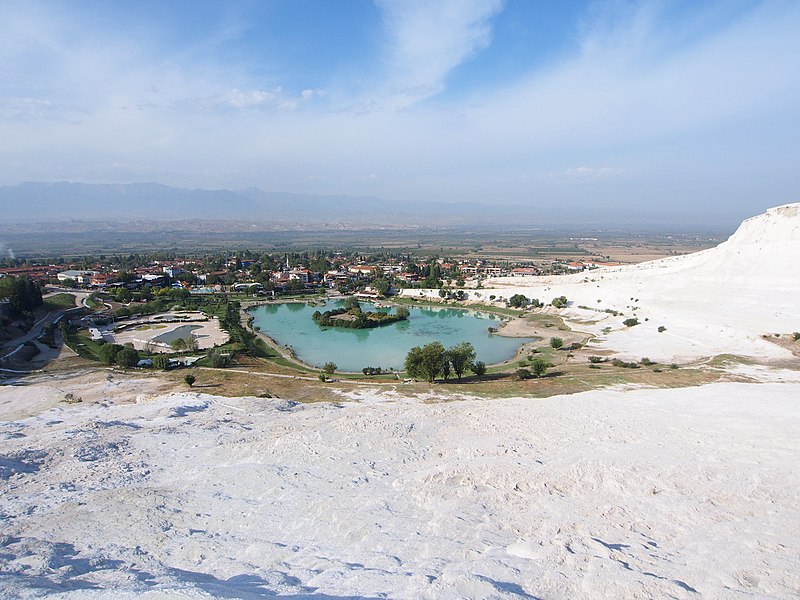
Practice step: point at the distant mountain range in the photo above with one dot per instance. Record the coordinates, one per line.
(59, 202)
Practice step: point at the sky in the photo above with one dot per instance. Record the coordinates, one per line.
(677, 106)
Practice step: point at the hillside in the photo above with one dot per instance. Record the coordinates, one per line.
(721, 300)
(63, 201)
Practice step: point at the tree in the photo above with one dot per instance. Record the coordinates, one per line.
(479, 368)
(556, 342)
(381, 286)
(329, 368)
(460, 356)
(446, 368)
(108, 353)
(523, 374)
(518, 301)
(127, 357)
(218, 359)
(426, 362)
(189, 379)
(295, 285)
(352, 303)
(630, 322)
(403, 312)
(559, 302)
(539, 366)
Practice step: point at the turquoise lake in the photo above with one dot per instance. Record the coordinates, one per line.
(290, 324)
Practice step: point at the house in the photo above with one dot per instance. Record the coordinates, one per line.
(523, 271)
(79, 277)
(303, 275)
(248, 287)
(363, 270)
(172, 271)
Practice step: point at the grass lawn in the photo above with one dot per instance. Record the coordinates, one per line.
(59, 301)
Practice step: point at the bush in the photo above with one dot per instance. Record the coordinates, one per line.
(625, 365)
(323, 378)
(594, 366)
(673, 366)
(556, 342)
(646, 362)
(661, 329)
(479, 368)
(630, 322)
(796, 336)
(596, 359)
(518, 301)
(539, 366)
(559, 302)
(218, 359)
(330, 368)
(523, 374)
(127, 357)
(189, 379)
(108, 353)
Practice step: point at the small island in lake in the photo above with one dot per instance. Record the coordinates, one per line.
(353, 317)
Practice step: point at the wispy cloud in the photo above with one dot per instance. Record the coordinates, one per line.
(428, 39)
(647, 105)
(271, 98)
(593, 173)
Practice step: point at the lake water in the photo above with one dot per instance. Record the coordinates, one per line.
(179, 333)
(290, 324)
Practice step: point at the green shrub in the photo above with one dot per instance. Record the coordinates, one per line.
(523, 374)
(630, 322)
(596, 359)
(539, 366)
(479, 368)
(189, 379)
(556, 342)
(127, 357)
(661, 329)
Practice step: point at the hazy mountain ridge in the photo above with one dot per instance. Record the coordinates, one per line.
(60, 202)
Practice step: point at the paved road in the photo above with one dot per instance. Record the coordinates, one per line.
(13, 346)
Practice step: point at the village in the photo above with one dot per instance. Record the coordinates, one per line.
(274, 275)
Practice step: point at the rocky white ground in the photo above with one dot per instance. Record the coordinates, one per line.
(721, 300)
(642, 493)
(615, 493)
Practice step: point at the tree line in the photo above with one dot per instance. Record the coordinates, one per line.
(23, 294)
(433, 360)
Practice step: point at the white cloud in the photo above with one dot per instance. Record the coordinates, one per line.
(592, 172)
(271, 98)
(429, 38)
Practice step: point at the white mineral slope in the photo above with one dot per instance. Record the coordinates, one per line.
(720, 300)
(609, 494)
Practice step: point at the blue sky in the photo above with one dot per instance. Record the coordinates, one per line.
(689, 107)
